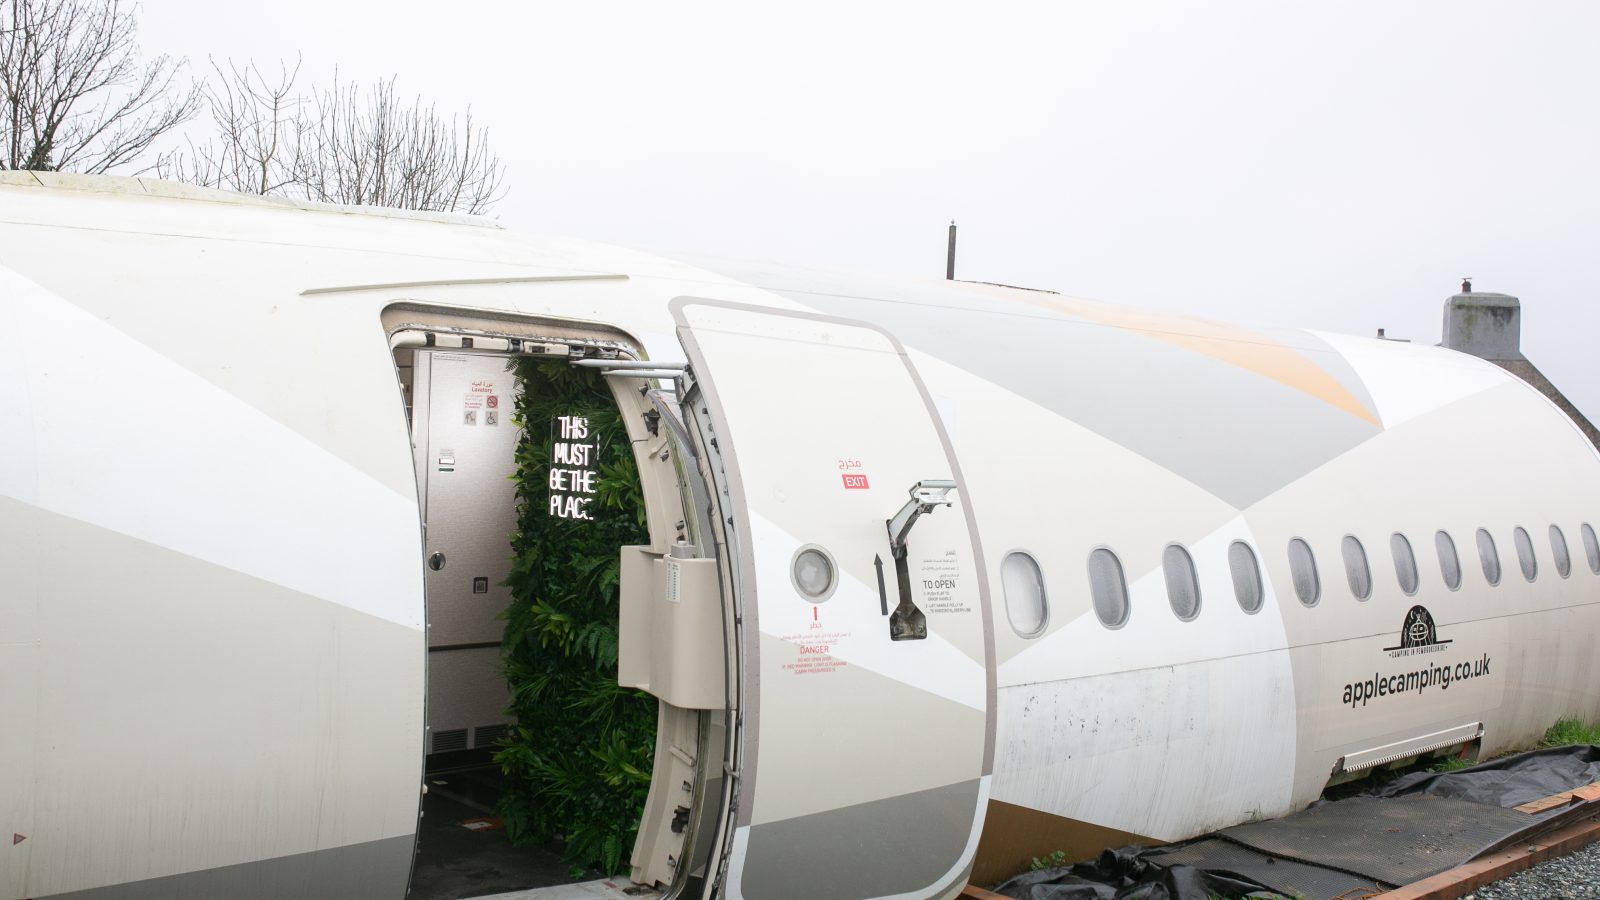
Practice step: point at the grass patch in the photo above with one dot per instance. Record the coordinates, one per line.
(1567, 732)
(1564, 733)
(1054, 860)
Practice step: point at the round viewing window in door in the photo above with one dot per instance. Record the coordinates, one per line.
(813, 574)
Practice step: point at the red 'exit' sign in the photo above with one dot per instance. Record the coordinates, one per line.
(854, 482)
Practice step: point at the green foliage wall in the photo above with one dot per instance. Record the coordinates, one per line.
(577, 763)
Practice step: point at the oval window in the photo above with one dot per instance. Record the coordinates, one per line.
(1449, 562)
(1591, 548)
(1107, 588)
(1303, 570)
(1558, 550)
(1405, 563)
(1490, 557)
(1183, 584)
(1530, 565)
(1355, 567)
(1026, 605)
(1246, 576)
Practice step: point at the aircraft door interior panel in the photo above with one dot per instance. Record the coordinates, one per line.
(466, 441)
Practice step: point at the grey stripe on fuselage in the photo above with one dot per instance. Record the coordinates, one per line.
(1235, 433)
(375, 869)
(867, 850)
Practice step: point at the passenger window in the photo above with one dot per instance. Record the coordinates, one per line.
(1356, 568)
(1246, 576)
(1183, 583)
(1303, 570)
(1490, 557)
(1591, 547)
(1530, 566)
(1558, 550)
(1405, 562)
(1108, 588)
(1026, 604)
(1449, 562)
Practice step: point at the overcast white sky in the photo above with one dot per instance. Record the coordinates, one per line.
(1335, 166)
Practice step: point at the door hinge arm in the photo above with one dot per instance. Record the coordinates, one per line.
(908, 623)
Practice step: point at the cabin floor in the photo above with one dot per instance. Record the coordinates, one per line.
(599, 889)
(462, 850)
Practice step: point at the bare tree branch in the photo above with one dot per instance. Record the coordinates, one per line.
(373, 148)
(339, 145)
(259, 129)
(74, 95)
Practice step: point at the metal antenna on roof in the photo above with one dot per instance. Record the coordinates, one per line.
(950, 256)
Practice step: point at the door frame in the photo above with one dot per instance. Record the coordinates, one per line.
(404, 318)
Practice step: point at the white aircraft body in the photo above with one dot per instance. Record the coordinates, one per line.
(941, 575)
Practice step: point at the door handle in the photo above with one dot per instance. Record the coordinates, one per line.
(436, 561)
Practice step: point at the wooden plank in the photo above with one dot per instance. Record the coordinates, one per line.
(1588, 792)
(972, 892)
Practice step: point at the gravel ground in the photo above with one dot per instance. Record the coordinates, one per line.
(1572, 877)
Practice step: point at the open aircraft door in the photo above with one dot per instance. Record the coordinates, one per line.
(865, 728)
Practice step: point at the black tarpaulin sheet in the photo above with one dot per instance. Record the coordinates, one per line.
(1412, 827)
(1286, 876)
(1123, 874)
(1394, 841)
(1508, 781)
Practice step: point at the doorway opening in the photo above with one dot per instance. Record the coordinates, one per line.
(553, 500)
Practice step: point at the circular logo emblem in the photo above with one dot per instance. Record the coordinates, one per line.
(1419, 631)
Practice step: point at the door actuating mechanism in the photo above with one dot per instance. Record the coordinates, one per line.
(907, 623)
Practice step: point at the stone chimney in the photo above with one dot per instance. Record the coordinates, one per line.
(1489, 326)
(1485, 325)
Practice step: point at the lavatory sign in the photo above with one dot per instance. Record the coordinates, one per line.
(574, 456)
(482, 404)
